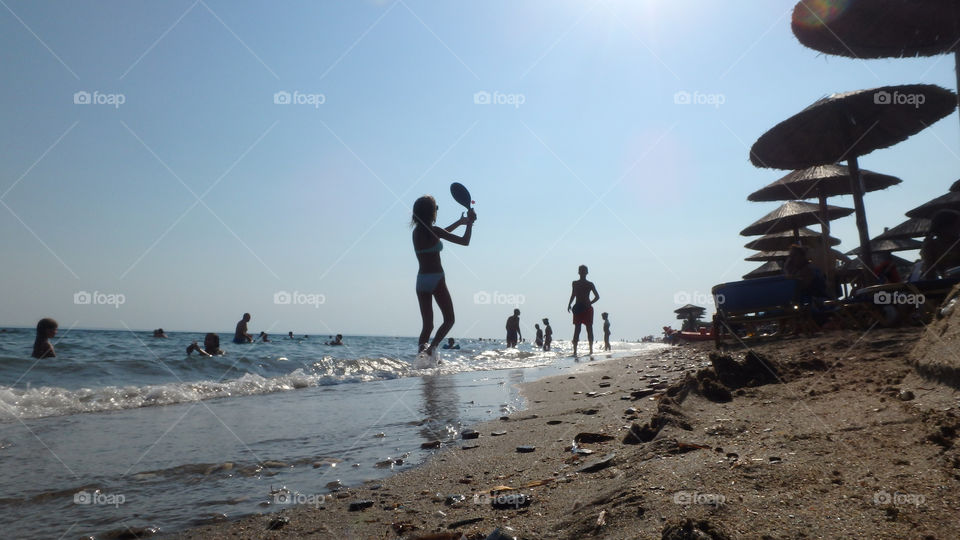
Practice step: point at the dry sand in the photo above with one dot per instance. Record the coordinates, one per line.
(834, 436)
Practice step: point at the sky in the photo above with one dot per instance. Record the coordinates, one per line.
(176, 164)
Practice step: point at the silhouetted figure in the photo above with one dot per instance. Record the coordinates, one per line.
(431, 283)
(46, 329)
(941, 247)
(538, 341)
(211, 346)
(886, 269)
(241, 335)
(290, 335)
(337, 340)
(547, 334)
(513, 329)
(264, 337)
(606, 330)
(159, 333)
(813, 284)
(582, 309)
(451, 344)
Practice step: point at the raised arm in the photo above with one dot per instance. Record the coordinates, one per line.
(446, 234)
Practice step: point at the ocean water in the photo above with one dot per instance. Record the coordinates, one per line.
(122, 430)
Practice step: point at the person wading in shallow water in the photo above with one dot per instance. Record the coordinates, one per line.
(431, 283)
(583, 308)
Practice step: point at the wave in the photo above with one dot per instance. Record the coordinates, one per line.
(38, 402)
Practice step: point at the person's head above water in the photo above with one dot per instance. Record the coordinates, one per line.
(424, 212)
(450, 341)
(582, 270)
(47, 328)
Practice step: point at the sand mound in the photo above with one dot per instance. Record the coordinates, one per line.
(937, 354)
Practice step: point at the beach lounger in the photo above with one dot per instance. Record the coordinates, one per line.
(759, 308)
(895, 304)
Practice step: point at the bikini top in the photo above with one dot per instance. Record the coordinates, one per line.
(436, 248)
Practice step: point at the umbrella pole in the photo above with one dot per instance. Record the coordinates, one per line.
(956, 56)
(865, 254)
(825, 238)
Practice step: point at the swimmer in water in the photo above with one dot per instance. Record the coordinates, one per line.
(46, 329)
(211, 346)
(241, 335)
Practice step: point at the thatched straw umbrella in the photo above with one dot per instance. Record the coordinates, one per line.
(843, 127)
(782, 241)
(791, 216)
(880, 28)
(689, 314)
(949, 201)
(820, 182)
(889, 245)
(764, 256)
(768, 269)
(911, 228)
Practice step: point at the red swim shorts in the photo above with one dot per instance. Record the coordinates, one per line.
(583, 317)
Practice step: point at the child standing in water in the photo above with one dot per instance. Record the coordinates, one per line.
(431, 283)
(606, 330)
(539, 339)
(547, 334)
(46, 329)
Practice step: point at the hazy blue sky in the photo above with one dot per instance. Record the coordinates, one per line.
(198, 197)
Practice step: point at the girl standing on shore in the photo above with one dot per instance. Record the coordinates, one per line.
(431, 283)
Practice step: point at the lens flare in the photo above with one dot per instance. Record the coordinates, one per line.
(820, 12)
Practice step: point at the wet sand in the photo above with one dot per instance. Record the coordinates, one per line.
(827, 437)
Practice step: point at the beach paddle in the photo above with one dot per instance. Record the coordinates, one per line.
(461, 194)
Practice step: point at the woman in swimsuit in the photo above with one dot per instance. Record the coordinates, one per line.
(430, 280)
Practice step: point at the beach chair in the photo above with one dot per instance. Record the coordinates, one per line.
(760, 308)
(895, 304)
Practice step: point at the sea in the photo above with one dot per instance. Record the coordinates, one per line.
(123, 431)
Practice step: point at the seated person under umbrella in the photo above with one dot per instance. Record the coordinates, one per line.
(813, 284)
(941, 248)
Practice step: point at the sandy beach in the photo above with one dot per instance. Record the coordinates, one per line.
(834, 436)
